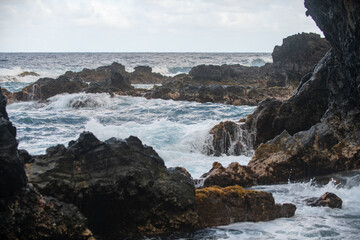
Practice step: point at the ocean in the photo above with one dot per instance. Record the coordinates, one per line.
(177, 130)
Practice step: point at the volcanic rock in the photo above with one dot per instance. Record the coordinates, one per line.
(333, 143)
(24, 213)
(12, 173)
(24, 74)
(234, 174)
(327, 200)
(222, 206)
(144, 75)
(121, 186)
(241, 85)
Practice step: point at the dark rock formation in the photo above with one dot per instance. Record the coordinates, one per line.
(121, 186)
(144, 75)
(240, 85)
(99, 74)
(234, 174)
(12, 174)
(300, 52)
(316, 131)
(221, 206)
(332, 144)
(327, 200)
(29, 215)
(24, 213)
(49, 87)
(304, 109)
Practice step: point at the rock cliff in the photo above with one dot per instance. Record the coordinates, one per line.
(316, 131)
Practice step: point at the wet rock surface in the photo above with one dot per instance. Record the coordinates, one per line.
(222, 206)
(121, 186)
(327, 200)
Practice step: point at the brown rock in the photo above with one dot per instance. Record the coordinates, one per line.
(327, 200)
(234, 174)
(221, 206)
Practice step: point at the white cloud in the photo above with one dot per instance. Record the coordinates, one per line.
(149, 25)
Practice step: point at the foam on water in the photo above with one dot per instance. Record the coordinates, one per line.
(177, 130)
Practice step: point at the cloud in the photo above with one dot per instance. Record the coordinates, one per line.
(149, 25)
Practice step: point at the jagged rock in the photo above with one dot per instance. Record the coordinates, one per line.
(144, 75)
(12, 174)
(24, 74)
(234, 174)
(221, 206)
(121, 186)
(300, 52)
(206, 73)
(99, 74)
(48, 87)
(24, 213)
(327, 200)
(332, 142)
(29, 215)
(240, 85)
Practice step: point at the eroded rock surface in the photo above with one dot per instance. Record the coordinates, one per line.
(121, 186)
(222, 206)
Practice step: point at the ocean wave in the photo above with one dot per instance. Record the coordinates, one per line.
(80, 100)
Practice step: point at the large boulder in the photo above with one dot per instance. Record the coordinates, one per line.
(221, 206)
(121, 186)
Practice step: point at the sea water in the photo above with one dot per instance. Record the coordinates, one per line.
(177, 130)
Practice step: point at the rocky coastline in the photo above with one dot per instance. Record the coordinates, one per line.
(227, 84)
(121, 188)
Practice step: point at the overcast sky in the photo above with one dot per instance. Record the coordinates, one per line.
(149, 25)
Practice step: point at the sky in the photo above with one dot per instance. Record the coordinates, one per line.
(150, 25)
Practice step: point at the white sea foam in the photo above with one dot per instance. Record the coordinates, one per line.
(80, 100)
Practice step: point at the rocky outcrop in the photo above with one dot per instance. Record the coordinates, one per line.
(318, 127)
(145, 75)
(112, 79)
(327, 200)
(24, 213)
(240, 85)
(301, 111)
(221, 206)
(121, 186)
(234, 174)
